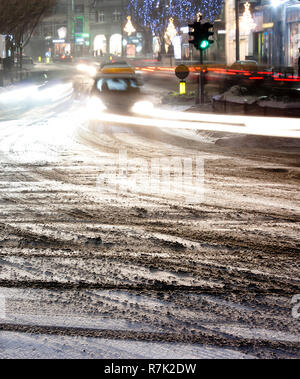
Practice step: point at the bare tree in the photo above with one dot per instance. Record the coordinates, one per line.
(19, 18)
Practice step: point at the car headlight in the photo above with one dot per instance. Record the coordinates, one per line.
(95, 106)
(81, 67)
(92, 71)
(142, 107)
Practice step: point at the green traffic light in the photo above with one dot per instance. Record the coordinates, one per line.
(204, 44)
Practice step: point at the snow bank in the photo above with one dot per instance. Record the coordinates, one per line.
(236, 94)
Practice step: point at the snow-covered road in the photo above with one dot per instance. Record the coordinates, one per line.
(206, 267)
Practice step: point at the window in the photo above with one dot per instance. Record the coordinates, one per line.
(79, 8)
(78, 25)
(117, 84)
(48, 30)
(117, 15)
(100, 17)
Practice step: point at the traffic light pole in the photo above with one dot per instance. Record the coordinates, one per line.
(200, 91)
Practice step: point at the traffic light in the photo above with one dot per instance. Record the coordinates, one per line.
(201, 33)
(196, 33)
(207, 33)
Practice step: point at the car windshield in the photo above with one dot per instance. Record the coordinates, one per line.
(117, 84)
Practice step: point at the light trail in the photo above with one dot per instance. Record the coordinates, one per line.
(219, 71)
(35, 94)
(232, 120)
(263, 126)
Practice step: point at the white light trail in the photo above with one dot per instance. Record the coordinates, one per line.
(264, 126)
(32, 93)
(18, 94)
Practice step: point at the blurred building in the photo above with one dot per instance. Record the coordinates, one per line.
(82, 27)
(271, 36)
(50, 36)
(276, 37)
(108, 19)
(98, 27)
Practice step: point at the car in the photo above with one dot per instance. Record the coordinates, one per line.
(62, 58)
(118, 93)
(247, 64)
(118, 66)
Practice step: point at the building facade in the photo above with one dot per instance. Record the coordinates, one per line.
(292, 35)
(107, 23)
(274, 37)
(99, 27)
(50, 36)
(83, 27)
